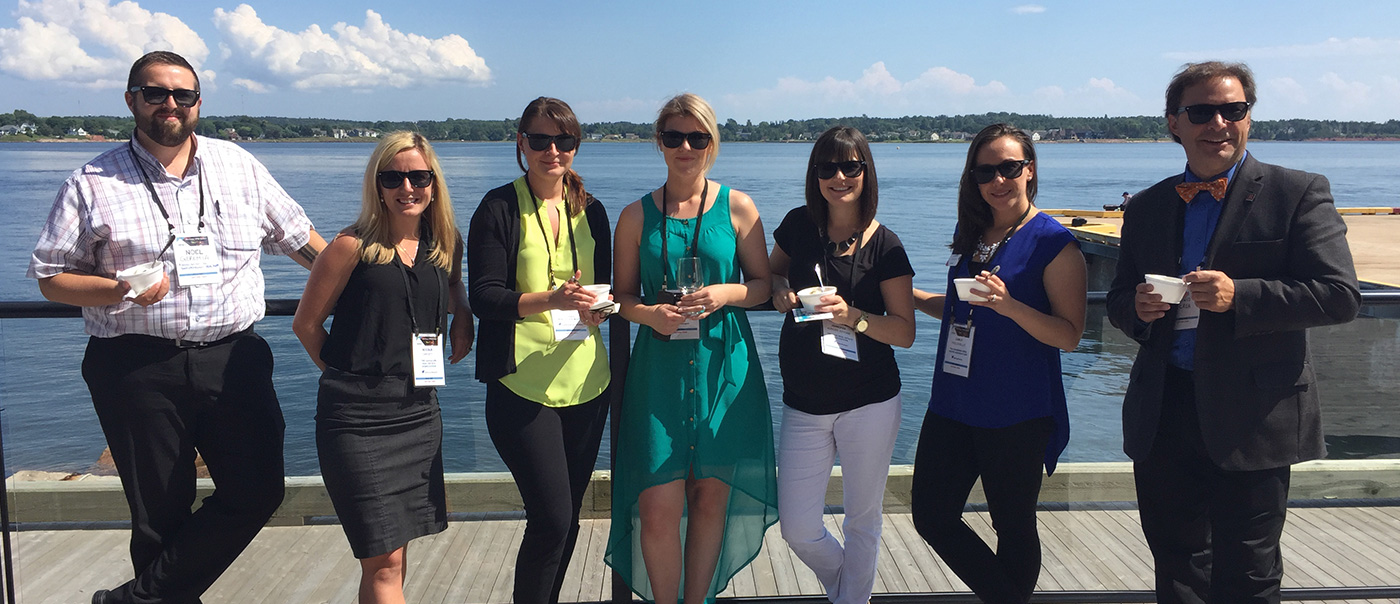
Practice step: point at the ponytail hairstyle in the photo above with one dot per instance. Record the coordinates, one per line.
(559, 112)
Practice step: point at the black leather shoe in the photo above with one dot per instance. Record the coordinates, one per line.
(103, 596)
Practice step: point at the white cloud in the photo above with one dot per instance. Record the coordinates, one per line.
(251, 86)
(875, 92)
(372, 56)
(90, 42)
(1028, 9)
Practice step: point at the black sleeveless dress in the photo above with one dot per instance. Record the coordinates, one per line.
(379, 439)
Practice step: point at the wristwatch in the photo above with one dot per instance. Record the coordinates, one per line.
(863, 323)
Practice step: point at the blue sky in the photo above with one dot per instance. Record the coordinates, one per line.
(753, 60)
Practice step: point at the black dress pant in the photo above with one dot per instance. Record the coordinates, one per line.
(1010, 461)
(1214, 534)
(158, 404)
(550, 452)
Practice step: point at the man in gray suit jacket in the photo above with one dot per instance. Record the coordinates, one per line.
(1222, 398)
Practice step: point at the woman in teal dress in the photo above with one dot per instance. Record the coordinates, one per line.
(694, 484)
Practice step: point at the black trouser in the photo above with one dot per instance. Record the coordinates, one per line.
(157, 405)
(950, 458)
(1214, 534)
(551, 452)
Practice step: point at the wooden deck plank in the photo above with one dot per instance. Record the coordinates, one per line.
(473, 561)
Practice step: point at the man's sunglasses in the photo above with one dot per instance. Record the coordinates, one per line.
(393, 179)
(673, 139)
(1009, 169)
(828, 169)
(155, 95)
(1200, 114)
(564, 143)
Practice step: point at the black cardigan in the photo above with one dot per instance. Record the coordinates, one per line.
(493, 252)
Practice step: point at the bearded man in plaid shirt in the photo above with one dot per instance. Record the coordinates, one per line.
(176, 367)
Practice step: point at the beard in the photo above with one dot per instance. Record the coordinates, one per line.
(165, 133)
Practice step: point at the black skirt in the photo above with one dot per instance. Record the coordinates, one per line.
(379, 442)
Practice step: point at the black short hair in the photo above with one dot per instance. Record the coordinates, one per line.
(158, 57)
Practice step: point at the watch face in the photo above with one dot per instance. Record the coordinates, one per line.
(862, 324)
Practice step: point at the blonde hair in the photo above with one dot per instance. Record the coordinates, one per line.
(376, 243)
(692, 106)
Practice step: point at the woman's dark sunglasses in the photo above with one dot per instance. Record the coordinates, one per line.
(1200, 114)
(828, 169)
(674, 138)
(564, 143)
(155, 95)
(1009, 169)
(393, 179)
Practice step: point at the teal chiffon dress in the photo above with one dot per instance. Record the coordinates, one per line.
(694, 407)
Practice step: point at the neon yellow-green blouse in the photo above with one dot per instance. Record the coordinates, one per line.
(553, 373)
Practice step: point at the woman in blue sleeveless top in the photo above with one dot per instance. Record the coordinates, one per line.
(694, 485)
(998, 410)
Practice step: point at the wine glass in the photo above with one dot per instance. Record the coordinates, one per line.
(688, 277)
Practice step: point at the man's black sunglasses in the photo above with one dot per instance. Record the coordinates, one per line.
(393, 179)
(828, 169)
(674, 138)
(155, 95)
(1200, 114)
(1009, 169)
(564, 143)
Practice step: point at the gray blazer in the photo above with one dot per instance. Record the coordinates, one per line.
(1282, 241)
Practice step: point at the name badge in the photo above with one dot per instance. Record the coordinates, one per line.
(954, 260)
(957, 357)
(1188, 315)
(689, 330)
(196, 259)
(428, 368)
(839, 341)
(800, 314)
(567, 325)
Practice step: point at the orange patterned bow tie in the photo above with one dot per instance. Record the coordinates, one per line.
(1188, 190)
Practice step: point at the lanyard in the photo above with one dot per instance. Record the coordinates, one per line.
(549, 251)
(1000, 246)
(408, 293)
(694, 248)
(828, 258)
(150, 188)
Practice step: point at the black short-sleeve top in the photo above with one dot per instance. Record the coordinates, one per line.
(817, 383)
(371, 332)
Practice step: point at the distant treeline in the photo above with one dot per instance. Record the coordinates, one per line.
(22, 124)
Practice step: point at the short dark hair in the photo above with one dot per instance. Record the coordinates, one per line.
(1196, 73)
(838, 144)
(974, 215)
(158, 57)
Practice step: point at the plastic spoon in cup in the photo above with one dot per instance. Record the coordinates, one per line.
(818, 268)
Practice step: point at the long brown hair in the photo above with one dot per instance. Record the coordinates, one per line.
(974, 215)
(559, 112)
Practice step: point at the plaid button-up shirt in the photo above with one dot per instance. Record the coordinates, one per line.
(104, 220)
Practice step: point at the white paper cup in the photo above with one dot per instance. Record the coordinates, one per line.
(601, 290)
(142, 276)
(965, 285)
(811, 297)
(1172, 289)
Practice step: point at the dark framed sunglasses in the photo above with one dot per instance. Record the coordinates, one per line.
(393, 179)
(1008, 169)
(155, 95)
(673, 139)
(564, 143)
(1200, 114)
(851, 169)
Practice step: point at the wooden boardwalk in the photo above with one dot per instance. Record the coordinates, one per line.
(1089, 549)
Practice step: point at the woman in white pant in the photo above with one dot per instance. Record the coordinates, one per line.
(840, 380)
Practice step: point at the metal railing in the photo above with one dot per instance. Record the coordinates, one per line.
(619, 346)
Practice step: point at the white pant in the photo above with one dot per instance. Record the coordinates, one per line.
(864, 438)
